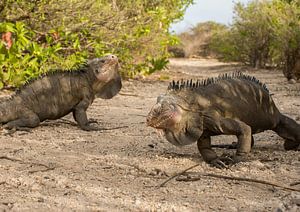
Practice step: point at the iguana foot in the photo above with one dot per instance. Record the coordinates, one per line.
(222, 162)
(7, 131)
(89, 127)
(226, 160)
(291, 145)
(11, 130)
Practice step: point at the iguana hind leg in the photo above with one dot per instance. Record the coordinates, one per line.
(289, 129)
(27, 120)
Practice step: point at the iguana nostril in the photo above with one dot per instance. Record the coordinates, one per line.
(112, 57)
(148, 120)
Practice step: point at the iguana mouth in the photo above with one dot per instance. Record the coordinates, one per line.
(111, 61)
(109, 68)
(162, 121)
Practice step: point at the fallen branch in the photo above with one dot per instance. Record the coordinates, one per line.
(175, 175)
(227, 178)
(42, 170)
(47, 168)
(114, 128)
(295, 183)
(9, 158)
(128, 94)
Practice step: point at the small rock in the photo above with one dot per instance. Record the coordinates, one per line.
(40, 199)
(296, 201)
(292, 81)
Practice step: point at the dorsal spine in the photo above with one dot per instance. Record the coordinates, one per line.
(189, 84)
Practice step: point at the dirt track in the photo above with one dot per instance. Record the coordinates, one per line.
(57, 166)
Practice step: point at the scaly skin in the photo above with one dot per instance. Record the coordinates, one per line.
(57, 94)
(231, 105)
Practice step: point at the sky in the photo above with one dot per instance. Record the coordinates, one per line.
(220, 11)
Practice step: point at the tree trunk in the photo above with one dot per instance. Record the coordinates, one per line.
(290, 62)
(296, 69)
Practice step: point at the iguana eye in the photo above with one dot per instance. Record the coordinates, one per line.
(172, 107)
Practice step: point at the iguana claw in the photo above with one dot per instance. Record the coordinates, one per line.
(223, 161)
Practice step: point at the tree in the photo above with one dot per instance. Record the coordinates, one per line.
(253, 33)
(286, 25)
(63, 33)
(263, 33)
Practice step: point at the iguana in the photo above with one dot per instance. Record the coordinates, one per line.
(56, 94)
(231, 104)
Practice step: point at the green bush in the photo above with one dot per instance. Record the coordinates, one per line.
(263, 33)
(285, 22)
(197, 41)
(26, 59)
(61, 34)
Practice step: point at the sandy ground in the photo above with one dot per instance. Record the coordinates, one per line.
(58, 167)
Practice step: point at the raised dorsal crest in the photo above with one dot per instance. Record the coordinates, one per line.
(196, 84)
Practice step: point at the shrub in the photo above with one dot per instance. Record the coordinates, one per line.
(263, 33)
(196, 42)
(62, 34)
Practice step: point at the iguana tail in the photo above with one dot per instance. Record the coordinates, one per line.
(289, 129)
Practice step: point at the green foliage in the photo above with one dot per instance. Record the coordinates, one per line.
(254, 32)
(263, 33)
(286, 25)
(249, 38)
(222, 45)
(63, 33)
(197, 41)
(26, 58)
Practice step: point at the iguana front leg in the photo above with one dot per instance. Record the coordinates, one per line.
(218, 126)
(79, 114)
(209, 155)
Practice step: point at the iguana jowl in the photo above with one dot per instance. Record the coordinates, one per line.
(231, 104)
(59, 93)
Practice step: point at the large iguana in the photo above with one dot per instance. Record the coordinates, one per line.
(59, 93)
(231, 104)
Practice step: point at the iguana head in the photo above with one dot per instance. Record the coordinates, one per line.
(180, 125)
(165, 114)
(108, 80)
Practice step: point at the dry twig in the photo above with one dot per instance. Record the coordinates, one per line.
(128, 94)
(227, 178)
(47, 168)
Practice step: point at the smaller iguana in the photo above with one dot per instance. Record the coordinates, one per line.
(56, 94)
(231, 104)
